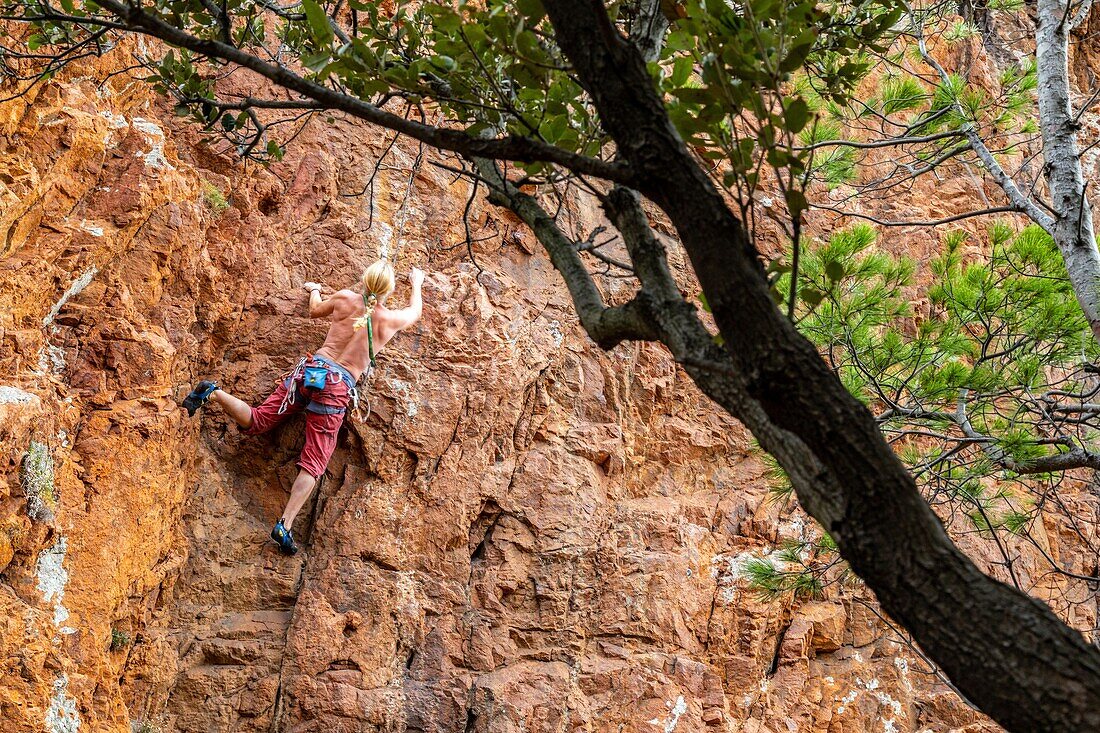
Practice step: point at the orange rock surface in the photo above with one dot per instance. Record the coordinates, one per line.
(527, 533)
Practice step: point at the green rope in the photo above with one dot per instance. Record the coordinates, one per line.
(370, 329)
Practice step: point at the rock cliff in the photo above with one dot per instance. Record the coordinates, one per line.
(526, 534)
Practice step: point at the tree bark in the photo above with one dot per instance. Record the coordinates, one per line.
(1072, 229)
(1007, 652)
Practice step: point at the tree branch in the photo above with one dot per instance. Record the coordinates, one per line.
(512, 147)
(844, 473)
(607, 326)
(928, 223)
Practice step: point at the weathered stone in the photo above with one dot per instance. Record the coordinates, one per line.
(527, 534)
(829, 625)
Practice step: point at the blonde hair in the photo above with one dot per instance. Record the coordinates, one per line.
(378, 282)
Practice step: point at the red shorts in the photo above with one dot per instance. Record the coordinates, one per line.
(324, 409)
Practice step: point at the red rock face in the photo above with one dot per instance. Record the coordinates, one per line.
(527, 534)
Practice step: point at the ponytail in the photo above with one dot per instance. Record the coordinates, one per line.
(378, 282)
(369, 301)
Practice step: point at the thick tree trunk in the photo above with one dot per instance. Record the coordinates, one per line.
(1007, 652)
(1072, 227)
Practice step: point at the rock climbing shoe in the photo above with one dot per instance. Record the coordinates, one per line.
(199, 396)
(284, 539)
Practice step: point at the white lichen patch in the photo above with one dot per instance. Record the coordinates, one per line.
(154, 157)
(407, 601)
(729, 570)
(888, 702)
(116, 122)
(93, 230)
(902, 665)
(676, 711)
(385, 237)
(846, 701)
(52, 579)
(554, 327)
(51, 358)
(78, 285)
(796, 528)
(16, 396)
(403, 390)
(62, 716)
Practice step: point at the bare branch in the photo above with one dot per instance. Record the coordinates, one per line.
(929, 223)
(889, 142)
(607, 326)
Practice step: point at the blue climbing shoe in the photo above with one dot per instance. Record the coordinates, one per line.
(284, 539)
(199, 396)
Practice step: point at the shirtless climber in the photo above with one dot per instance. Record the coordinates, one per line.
(323, 383)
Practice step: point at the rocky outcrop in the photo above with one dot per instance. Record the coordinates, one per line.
(526, 534)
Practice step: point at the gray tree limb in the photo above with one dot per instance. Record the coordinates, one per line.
(1073, 225)
(607, 326)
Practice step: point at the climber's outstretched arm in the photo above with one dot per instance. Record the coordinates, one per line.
(408, 316)
(318, 306)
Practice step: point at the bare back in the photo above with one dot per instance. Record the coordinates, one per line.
(350, 347)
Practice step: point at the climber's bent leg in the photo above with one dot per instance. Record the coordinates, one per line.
(238, 410)
(271, 413)
(299, 493)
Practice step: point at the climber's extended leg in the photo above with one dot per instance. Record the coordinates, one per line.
(272, 413)
(324, 416)
(299, 493)
(239, 410)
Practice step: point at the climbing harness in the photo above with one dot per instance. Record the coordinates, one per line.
(314, 372)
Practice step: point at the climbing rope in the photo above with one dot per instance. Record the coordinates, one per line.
(365, 321)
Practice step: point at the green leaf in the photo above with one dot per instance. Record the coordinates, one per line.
(796, 202)
(812, 296)
(834, 270)
(797, 114)
(681, 71)
(446, 63)
(532, 10)
(319, 24)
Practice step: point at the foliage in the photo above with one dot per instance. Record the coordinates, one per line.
(799, 569)
(37, 478)
(901, 93)
(119, 640)
(494, 67)
(214, 198)
(834, 164)
(980, 385)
